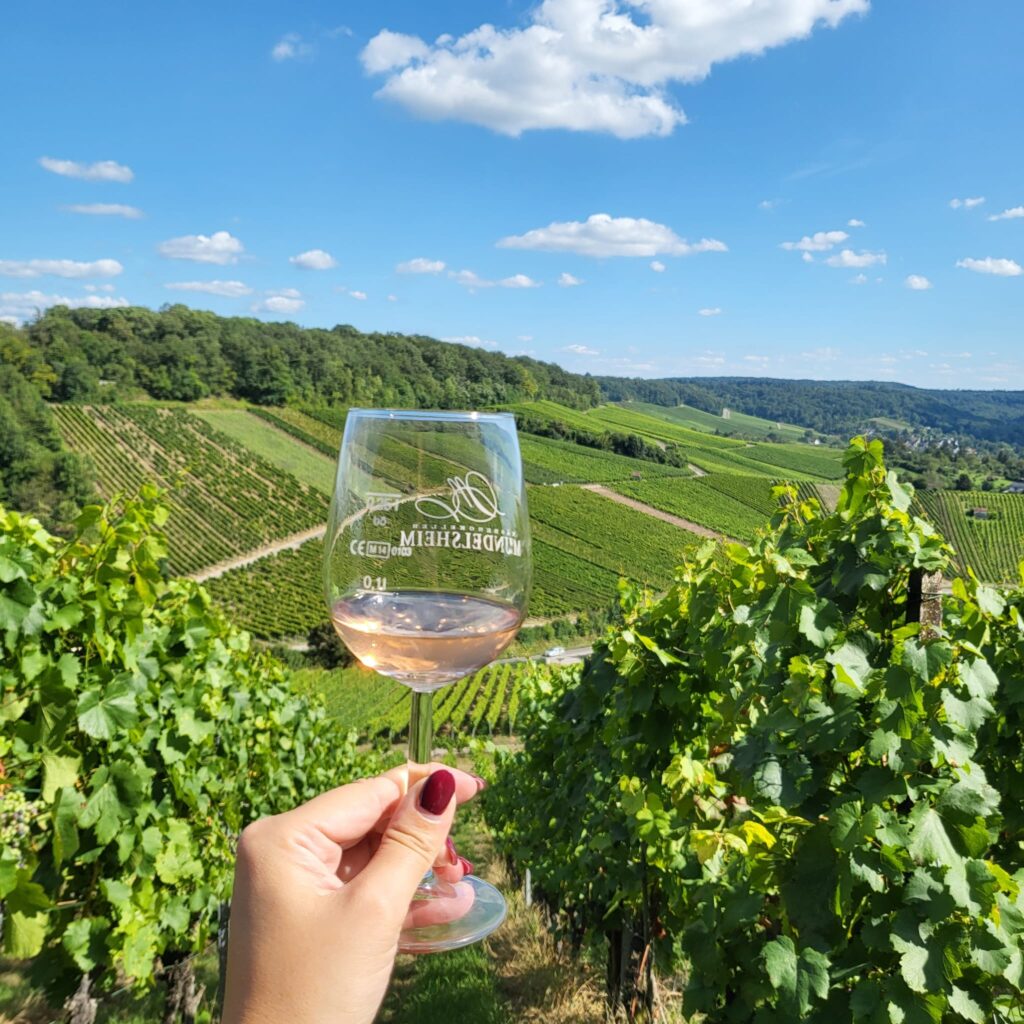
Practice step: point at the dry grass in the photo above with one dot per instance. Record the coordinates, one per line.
(537, 983)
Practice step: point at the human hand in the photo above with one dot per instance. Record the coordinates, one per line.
(322, 892)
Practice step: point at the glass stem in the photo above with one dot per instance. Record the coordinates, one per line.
(421, 726)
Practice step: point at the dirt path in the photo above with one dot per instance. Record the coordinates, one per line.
(656, 513)
(296, 540)
(696, 470)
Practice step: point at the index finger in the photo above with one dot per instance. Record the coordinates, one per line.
(346, 814)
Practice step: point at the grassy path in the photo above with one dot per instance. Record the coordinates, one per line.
(515, 976)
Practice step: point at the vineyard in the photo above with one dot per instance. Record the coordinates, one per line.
(992, 543)
(801, 459)
(737, 422)
(701, 501)
(546, 460)
(360, 701)
(578, 559)
(783, 787)
(224, 499)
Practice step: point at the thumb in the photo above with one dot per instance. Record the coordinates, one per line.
(409, 846)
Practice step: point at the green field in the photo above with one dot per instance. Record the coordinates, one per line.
(306, 428)
(272, 444)
(225, 499)
(546, 460)
(736, 422)
(993, 547)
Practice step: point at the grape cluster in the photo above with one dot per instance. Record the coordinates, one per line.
(18, 816)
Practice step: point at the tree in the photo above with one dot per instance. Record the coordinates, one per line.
(964, 482)
(326, 648)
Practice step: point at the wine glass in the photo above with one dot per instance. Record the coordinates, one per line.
(427, 575)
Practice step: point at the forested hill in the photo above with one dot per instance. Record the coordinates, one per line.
(843, 407)
(182, 354)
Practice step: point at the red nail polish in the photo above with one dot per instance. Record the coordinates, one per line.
(480, 783)
(438, 791)
(452, 854)
(467, 866)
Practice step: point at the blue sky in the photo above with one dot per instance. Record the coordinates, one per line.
(405, 167)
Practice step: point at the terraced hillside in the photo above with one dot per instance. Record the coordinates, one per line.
(578, 548)
(734, 422)
(225, 500)
(707, 451)
(235, 492)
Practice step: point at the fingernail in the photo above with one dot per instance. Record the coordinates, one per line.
(452, 854)
(467, 866)
(438, 791)
(480, 783)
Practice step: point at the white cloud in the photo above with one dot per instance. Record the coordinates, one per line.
(420, 265)
(825, 354)
(992, 265)
(581, 350)
(469, 279)
(859, 279)
(98, 287)
(361, 296)
(60, 268)
(761, 360)
(106, 210)
(967, 204)
(587, 65)
(917, 283)
(769, 204)
(525, 338)
(220, 247)
(389, 50)
(853, 222)
(472, 339)
(290, 47)
(806, 257)
(820, 241)
(103, 170)
(227, 289)
(314, 259)
(710, 359)
(657, 266)
(392, 298)
(1012, 214)
(519, 281)
(603, 235)
(281, 300)
(18, 306)
(568, 280)
(710, 311)
(849, 258)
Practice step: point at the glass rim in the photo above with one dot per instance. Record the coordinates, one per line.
(467, 416)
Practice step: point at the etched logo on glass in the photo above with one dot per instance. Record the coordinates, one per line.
(472, 501)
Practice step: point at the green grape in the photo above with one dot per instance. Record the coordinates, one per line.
(18, 816)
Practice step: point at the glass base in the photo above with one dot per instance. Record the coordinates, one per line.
(485, 909)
